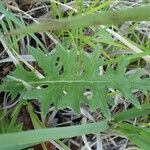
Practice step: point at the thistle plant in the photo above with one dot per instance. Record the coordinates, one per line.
(65, 76)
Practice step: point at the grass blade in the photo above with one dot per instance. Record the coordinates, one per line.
(104, 18)
(133, 113)
(139, 136)
(28, 138)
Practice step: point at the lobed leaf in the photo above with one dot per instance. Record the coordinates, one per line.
(69, 74)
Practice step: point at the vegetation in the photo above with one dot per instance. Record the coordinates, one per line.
(88, 60)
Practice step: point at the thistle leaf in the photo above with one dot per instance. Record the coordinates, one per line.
(69, 74)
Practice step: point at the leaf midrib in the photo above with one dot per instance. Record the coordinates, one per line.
(68, 81)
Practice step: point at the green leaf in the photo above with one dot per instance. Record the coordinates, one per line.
(139, 136)
(46, 96)
(5, 125)
(70, 73)
(104, 37)
(102, 18)
(99, 99)
(46, 62)
(16, 87)
(133, 113)
(25, 139)
(11, 17)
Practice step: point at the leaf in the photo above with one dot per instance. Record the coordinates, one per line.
(102, 18)
(139, 136)
(70, 73)
(104, 37)
(46, 62)
(100, 100)
(46, 96)
(11, 17)
(125, 84)
(16, 87)
(133, 113)
(5, 125)
(25, 139)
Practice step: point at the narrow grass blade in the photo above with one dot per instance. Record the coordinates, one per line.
(133, 113)
(24, 139)
(139, 136)
(103, 18)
